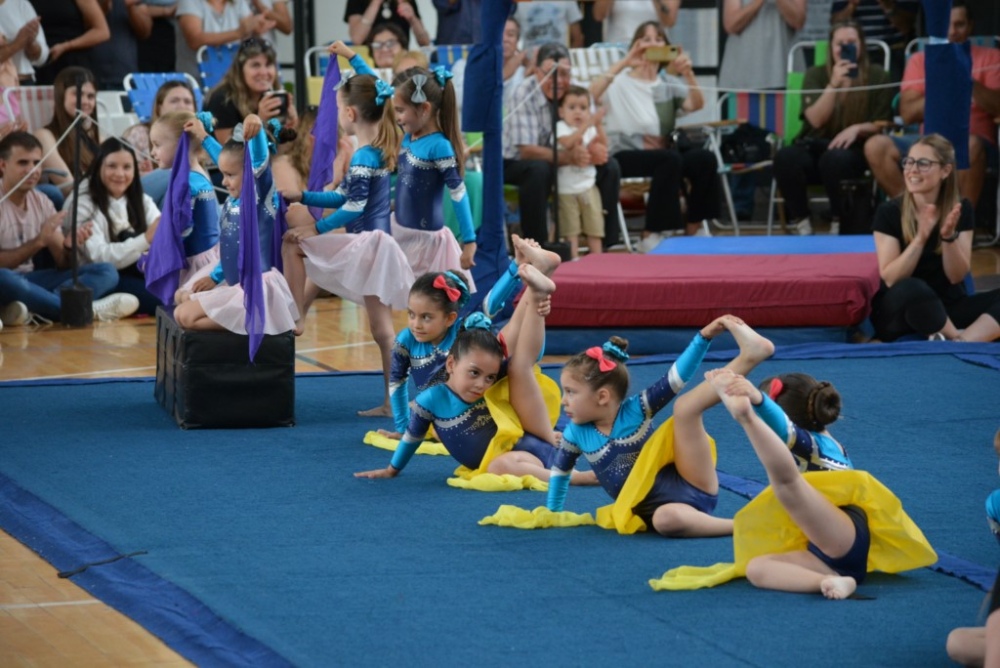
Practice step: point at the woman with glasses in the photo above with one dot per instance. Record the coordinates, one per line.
(250, 86)
(840, 112)
(214, 23)
(386, 42)
(923, 240)
(364, 17)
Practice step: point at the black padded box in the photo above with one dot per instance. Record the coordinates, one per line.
(206, 379)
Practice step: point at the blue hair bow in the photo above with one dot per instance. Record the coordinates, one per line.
(383, 92)
(478, 320)
(442, 75)
(207, 121)
(418, 95)
(615, 351)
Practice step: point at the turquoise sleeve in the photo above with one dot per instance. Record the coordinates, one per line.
(212, 147)
(217, 274)
(404, 452)
(337, 219)
(691, 358)
(328, 199)
(399, 398)
(360, 66)
(463, 213)
(558, 486)
(259, 154)
(773, 416)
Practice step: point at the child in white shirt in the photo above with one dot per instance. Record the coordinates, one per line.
(579, 198)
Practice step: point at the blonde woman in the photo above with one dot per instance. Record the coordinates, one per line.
(923, 240)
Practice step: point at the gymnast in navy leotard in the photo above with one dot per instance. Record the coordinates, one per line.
(430, 159)
(612, 431)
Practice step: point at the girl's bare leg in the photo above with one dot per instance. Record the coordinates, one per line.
(524, 463)
(692, 451)
(295, 275)
(525, 393)
(380, 323)
(799, 572)
(191, 315)
(528, 251)
(682, 520)
(595, 245)
(985, 329)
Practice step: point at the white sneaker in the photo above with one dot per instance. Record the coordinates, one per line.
(937, 336)
(803, 228)
(702, 232)
(115, 306)
(15, 314)
(650, 242)
(834, 227)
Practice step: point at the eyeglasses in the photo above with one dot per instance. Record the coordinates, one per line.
(922, 165)
(387, 44)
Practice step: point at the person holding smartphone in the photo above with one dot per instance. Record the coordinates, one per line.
(838, 119)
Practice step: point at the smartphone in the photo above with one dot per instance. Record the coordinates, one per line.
(283, 109)
(663, 54)
(849, 52)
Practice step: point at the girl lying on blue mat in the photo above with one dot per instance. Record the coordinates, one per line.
(435, 300)
(664, 479)
(503, 427)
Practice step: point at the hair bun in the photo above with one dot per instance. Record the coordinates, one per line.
(825, 402)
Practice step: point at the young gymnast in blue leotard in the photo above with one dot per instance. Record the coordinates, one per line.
(611, 430)
(458, 408)
(430, 158)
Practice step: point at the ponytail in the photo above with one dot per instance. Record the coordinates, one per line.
(450, 126)
(387, 136)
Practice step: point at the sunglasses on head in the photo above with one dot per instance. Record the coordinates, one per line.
(255, 41)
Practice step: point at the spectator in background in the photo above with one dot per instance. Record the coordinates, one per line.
(458, 21)
(214, 23)
(158, 53)
(364, 16)
(130, 23)
(404, 60)
(72, 28)
(884, 152)
(26, 47)
(892, 21)
(62, 161)
(386, 41)
(513, 65)
(549, 22)
(276, 11)
(174, 95)
(620, 17)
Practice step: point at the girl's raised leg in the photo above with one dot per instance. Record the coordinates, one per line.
(525, 393)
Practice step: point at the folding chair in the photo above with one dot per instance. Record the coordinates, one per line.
(590, 62)
(143, 86)
(112, 116)
(33, 104)
(213, 61)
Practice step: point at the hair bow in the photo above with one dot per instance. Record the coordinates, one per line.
(383, 92)
(207, 121)
(776, 387)
(238, 134)
(454, 294)
(603, 363)
(478, 320)
(615, 351)
(418, 95)
(442, 75)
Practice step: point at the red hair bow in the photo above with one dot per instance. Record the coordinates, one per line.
(603, 363)
(453, 294)
(776, 387)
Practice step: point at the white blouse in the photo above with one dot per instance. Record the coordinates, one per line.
(101, 246)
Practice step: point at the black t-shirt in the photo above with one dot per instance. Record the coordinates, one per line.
(227, 116)
(388, 7)
(930, 266)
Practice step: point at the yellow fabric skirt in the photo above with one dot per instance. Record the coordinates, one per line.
(764, 527)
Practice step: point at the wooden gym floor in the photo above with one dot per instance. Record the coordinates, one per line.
(46, 621)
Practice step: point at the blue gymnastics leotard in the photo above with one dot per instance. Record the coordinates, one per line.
(612, 457)
(361, 199)
(426, 165)
(813, 451)
(204, 232)
(424, 361)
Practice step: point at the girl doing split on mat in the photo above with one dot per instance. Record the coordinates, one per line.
(186, 247)
(429, 159)
(435, 301)
(217, 301)
(611, 431)
(462, 414)
(365, 265)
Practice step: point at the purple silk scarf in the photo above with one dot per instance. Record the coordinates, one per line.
(325, 134)
(249, 257)
(166, 253)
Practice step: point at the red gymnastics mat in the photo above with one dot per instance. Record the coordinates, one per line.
(626, 290)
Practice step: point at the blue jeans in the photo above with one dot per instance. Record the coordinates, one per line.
(39, 290)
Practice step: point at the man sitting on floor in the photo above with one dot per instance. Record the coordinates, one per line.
(884, 152)
(34, 253)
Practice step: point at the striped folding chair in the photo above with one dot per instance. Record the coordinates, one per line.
(34, 104)
(447, 55)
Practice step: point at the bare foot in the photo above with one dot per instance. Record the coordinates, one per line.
(838, 587)
(536, 280)
(583, 478)
(390, 434)
(528, 251)
(299, 328)
(753, 347)
(737, 405)
(385, 410)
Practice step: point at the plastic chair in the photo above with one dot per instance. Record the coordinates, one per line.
(590, 62)
(143, 86)
(918, 44)
(213, 61)
(34, 104)
(449, 54)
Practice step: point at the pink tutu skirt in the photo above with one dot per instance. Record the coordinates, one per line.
(199, 266)
(354, 266)
(224, 305)
(431, 251)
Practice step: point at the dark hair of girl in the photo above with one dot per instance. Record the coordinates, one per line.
(424, 285)
(476, 334)
(587, 369)
(64, 82)
(359, 92)
(809, 403)
(443, 103)
(133, 196)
